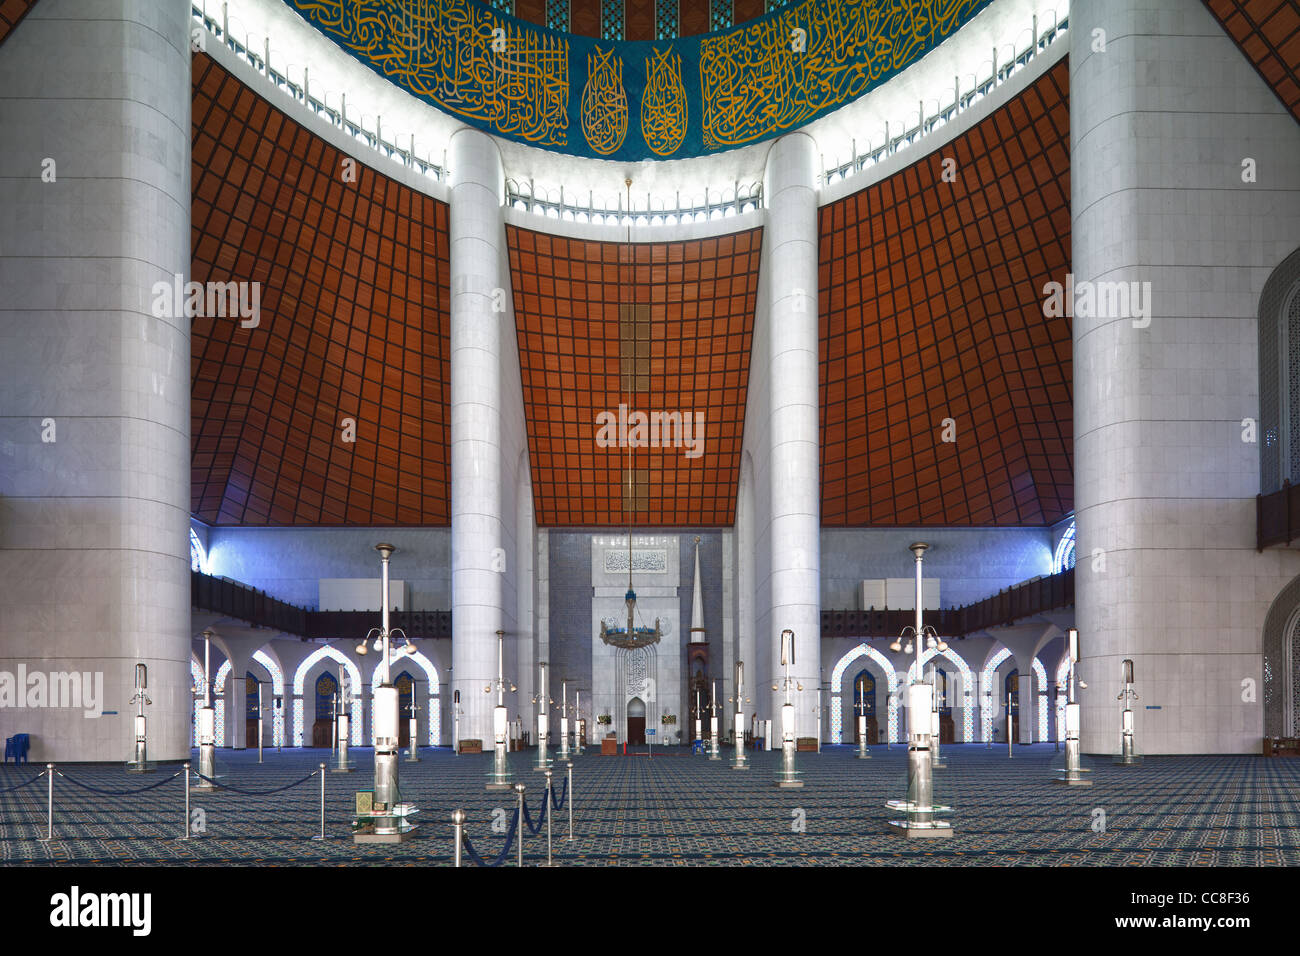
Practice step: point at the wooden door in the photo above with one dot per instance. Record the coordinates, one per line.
(636, 730)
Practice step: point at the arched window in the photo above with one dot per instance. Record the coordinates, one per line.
(1279, 377)
(198, 557)
(1063, 560)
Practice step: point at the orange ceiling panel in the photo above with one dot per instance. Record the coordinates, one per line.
(931, 309)
(11, 11)
(353, 326)
(1268, 32)
(700, 298)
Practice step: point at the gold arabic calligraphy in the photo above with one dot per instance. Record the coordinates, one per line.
(460, 56)
(780, 72)
(663, 103)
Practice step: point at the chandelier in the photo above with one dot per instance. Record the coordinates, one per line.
(631, 636)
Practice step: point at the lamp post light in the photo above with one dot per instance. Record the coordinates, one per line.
(863, 749)
(413, 732)
(1127, 754)
(207, 723)
(455, 721)
(715, 753)
(699, 719)
(579, 725)
(387, 820)
(139, 763)
(1072, 776)
(739, 762)
(787, 778)
(936, 756)
(543, 719)
(342, 726)
(499, 777)
(564, 720)
(819, 719)
(919, 805)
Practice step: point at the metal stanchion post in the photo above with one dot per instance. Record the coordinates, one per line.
(522, 827)
(457, 835)
(49, 812)
(738, 721)
(548, 808)
(321, 836)
(570, 801)
(1010, 727)
(186, 768)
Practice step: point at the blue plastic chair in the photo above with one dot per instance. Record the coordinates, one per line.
(17, 747)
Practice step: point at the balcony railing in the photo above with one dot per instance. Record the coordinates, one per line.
(1007, 606)
(901, 135)
(239, 601)
(1277, 516)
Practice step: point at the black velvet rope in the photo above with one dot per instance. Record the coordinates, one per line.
(116, 793)
(505, 850)
(25, 784)
(256, 793)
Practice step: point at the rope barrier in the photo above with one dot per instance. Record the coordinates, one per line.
(21, 785)
(117, 793)
(255, 793)
(557, 803)
(505, 850)
(528, 818)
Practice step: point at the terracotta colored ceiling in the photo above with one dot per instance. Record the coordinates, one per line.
(701, 297)
(353, 324)
(11, 11)
(931, 308)
(1268, 32)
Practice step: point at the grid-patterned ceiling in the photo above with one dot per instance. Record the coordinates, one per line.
(581, 309)
(11, 11)
(1268, 32)
(932, 308)
(353, 325)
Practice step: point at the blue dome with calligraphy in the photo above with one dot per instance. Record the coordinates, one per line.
(609, 99)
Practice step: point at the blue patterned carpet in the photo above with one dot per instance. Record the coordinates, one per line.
(680, 810)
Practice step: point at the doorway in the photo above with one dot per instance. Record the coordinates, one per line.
(636, 721)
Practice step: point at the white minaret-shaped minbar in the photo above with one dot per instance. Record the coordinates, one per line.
(698, 634)
(94, 374)
(790, 255)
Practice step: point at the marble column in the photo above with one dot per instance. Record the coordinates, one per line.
(95, 387)
(1164, 110)
(791, 192)
(478, 533)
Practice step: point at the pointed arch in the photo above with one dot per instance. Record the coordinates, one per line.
(277, 688)
(1041, 673)
(967, 680)
(300, 675)
(219, 701)
(196, 694)
(986, 681)
(837, 677)
(432, 701)
(1062, 677)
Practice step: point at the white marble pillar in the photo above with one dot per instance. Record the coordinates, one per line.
(791, 191)
(1027, 693)
(95, 388)
(479, 536)
(1164, 110)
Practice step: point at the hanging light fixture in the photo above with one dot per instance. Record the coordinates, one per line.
(631, 636)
